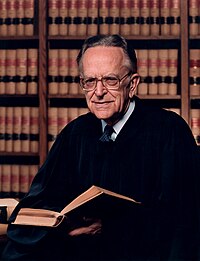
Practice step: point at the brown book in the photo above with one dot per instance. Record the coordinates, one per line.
(104, 16)
(2, 128)
(114, 14)
(92, 27)
(33, 169)
(6, 179)
(7, 205)
(24, 179)
(25, 136)
(3, 15)
(165, 16)
(154, 17)
(11, 15)
(52, 125)
(143, 71)
(53, 71)
(20, 17)
(34, 129)
(32, 71)
(163, 71)
(173, 71)
(17, 124)
(21, 71)
(193, 17)
(125, 14)
(93, 198)
(73, 71)
(15, 179)
(29, 17)
(63, 71)
(63, 14)
(2, 70)
(153, 71)
(10, 71)
(82, 12)
(135, 15)
(194, 71)
(9, 130)
(144, 17)
(72, 27)
(175, 11)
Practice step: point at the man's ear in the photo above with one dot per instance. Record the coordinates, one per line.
(135, 79)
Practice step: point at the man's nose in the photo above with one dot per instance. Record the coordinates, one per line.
(100, 88)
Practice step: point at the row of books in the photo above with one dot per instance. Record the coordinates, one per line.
(15, 179)
(19, 129)
(195, 124)
(17, 17)
(63, 72)
(127, 17)
(194, 71)
(157, 68)
(18, 71)
(58, 118)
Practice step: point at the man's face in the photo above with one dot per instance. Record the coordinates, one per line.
(99, 62)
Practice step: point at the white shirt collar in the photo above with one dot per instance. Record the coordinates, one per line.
(118, 126)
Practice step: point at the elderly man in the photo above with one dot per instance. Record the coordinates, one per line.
(145, 153)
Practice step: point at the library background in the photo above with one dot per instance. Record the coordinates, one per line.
(39, 90)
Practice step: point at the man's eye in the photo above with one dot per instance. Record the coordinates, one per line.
(90, 81)
(111, 80)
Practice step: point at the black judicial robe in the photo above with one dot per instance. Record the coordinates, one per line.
(154, 160)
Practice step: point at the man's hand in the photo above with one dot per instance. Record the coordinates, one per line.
(89, 227)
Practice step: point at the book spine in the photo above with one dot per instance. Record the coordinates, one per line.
(143, 71)
(63, 70)
(125, 17)
(53, 15)
(62, 118)
(104, 17)
(64, 17)
(135, 17)
(52, 125)
(11, 15)
(173, 71)
(15, 180)
(19, 17)
(163, 71)
(6, 179)
(144, 17)
(165, 16)
(73, 71)
(2, 71)
(194, 71)
(10, 71)
(3, 16)
(153, 71)
(2, 128)
(82, 7)
(32, 71)
(114, 15)
(24, 179)
(73, 17)
(193, 17)
(53, 71)
(28, 17)
(9, 129)
(195, 124)
(33, 169)
(25, 136)
(72, 114)
(21, 71)
(17, 119)
(175, 17)
(92, 23)
(34, 129)
(154, 17)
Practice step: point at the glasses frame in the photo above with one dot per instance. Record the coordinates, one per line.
(101, 79)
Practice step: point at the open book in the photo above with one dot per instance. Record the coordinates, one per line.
(7, 206)
(91, 198)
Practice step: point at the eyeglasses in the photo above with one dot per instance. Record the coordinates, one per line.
(111, 82)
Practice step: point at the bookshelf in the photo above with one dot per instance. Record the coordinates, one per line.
(54, 30)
